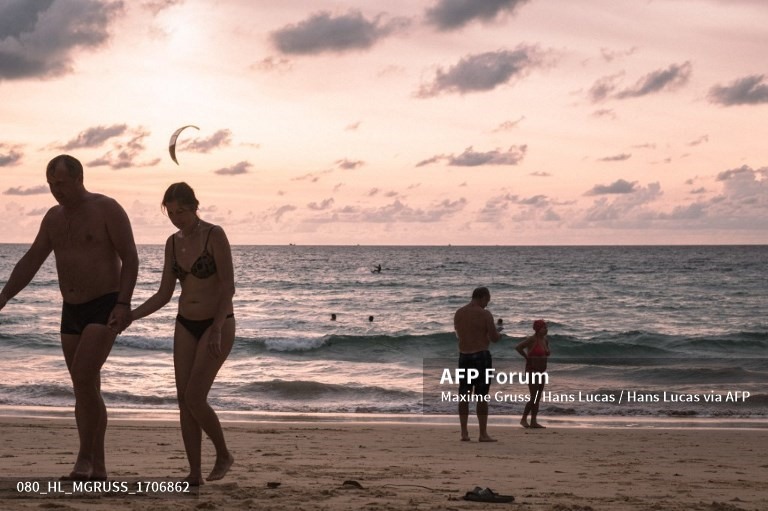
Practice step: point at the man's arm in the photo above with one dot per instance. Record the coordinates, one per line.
(121, 235)
(493, 334)
(28, 265)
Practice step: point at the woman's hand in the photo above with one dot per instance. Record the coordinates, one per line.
(214, 342)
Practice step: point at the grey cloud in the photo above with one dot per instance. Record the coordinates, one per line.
(746, 177)
(496, 208)
(618, 187)
(234, 170)
(611, 55)
(749, 90)
(536, 200)
(454, 14)
(430, 161)
(700, 140)
(312, 177)
(397, 211)
(9, 156)
(671, 78)
(472, 158)
(125, 152)
(36, 190)
(616, 157)
(270, 64)
(604, 112)
(349, 164)
(157, 6)
(282, 211)
(353, 127)
(221, 138)
(742, 203)
(535, 207)
(483, 72)
(604, 87)
(627, 208)
(327, 203)
(323, 32)
(508, 125)
(41, 38)
(94, 137)
(18, 17)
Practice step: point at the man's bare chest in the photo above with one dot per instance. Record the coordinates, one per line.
(83, 230)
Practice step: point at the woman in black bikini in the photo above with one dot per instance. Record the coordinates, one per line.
(199, 256)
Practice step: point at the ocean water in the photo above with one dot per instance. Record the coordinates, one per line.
(638, 332)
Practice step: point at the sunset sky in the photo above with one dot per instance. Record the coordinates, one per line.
(405, 122)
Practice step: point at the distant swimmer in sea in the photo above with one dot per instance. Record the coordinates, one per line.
(535, 349)
(370, 319)
(333, 317)
(499, 325)
(376, 269)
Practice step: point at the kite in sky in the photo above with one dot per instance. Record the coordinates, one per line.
(172, 143)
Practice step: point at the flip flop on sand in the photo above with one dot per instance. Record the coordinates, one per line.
(487, 495)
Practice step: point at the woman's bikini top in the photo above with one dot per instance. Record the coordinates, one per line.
(203, 267)
(537, 350)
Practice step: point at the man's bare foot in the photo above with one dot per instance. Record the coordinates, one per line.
(99, 472)
(194, 480)
(486, 438)
(465, 438)
(537, 426)
(221, 467)
(75, 476)
(524, 423)
(82, 471)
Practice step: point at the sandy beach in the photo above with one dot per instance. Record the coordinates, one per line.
(405, 467)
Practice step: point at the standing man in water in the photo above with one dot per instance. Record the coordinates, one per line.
(97, 264)
(475, 329)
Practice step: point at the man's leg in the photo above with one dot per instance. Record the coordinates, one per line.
(482, 419)
(85, 355)
(463, 420)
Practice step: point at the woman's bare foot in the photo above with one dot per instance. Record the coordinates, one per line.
(524, 423)
(194, 479)
(221, 467)
(538, 426)
(486, 438)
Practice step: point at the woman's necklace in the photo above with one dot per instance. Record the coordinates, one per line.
(192, 231)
